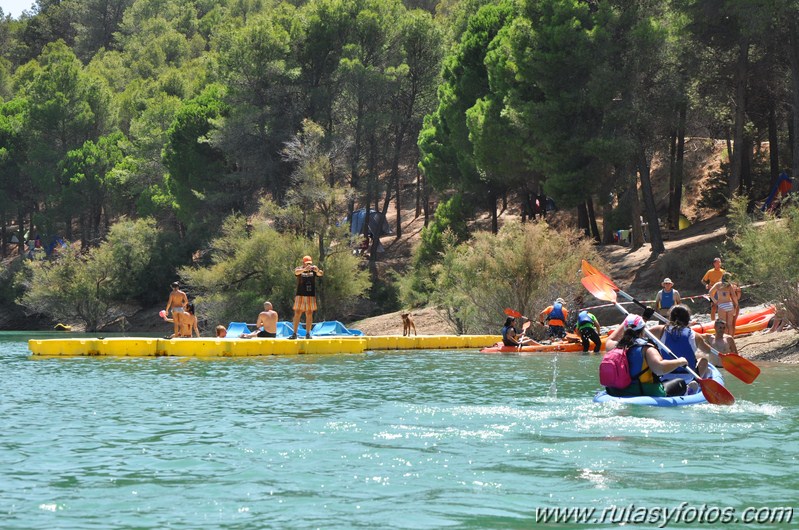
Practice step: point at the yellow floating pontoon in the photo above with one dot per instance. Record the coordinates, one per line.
(213, 347)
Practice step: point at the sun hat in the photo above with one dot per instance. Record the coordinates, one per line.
(634, 322)
(668, 280)
(560, 301)
(307, 259)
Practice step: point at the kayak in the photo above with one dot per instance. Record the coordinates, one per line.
(652, 401)
(542, 347)
(745, 323)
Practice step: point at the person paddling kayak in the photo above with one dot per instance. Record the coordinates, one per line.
(646, 365)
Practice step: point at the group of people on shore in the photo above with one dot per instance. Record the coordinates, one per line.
(185, 320)
(646, 362)
(657, 373)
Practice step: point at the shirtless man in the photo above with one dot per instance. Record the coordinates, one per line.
(266, 324)
(722, 342)
(177, 302)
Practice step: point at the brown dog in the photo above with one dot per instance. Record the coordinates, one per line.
(407, 325)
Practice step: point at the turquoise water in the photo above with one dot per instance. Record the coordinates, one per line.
(380, 440)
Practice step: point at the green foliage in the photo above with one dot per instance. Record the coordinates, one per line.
(524, 267)
(715, 195)
(450, 215)
(317, 197)
(90, 288)
(447, 229)
(253, 263)
(91, 181)
(462, 117)
(196, 167)
(766, 255)
(9, 289)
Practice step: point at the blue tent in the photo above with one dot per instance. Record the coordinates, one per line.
(377, 223)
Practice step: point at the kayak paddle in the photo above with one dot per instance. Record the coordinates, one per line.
(523, 339)
(713, 391)
(513, 313)
(740, 367)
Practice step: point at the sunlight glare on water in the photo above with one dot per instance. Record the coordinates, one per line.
(389, 440)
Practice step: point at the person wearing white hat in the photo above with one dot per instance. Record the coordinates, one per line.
(555, 317)
(667, 298)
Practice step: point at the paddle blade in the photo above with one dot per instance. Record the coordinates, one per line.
(162, 314)
(526, 325)
(511, 313)
(590, 270)
(599, 287)
(715, 393)
(740, 367)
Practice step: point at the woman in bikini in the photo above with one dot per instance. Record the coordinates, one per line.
(725, 296)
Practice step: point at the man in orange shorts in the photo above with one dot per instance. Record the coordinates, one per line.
(305, 300)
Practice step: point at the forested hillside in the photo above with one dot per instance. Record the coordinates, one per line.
(218, 141)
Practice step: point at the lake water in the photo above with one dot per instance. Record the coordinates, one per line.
(380, 440)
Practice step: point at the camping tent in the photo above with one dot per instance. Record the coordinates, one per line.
(377, 223)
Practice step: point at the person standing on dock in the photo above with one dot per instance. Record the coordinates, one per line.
(305, 299)
(177, 302)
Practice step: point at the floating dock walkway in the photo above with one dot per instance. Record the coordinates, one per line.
(214, 347)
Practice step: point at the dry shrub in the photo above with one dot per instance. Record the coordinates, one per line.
(766, 254)
(524, 267)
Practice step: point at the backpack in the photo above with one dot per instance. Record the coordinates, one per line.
(614, 369)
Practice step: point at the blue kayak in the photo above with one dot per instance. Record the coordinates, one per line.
(652, 401)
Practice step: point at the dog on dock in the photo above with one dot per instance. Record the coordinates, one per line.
(407, 325)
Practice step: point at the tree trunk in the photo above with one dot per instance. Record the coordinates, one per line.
(607, 230)
(672, 177)
(773, 143)
(397, 201)
(637, 236)
(3, 238)
(746, 172)
(655, 237)
(418, 192)
(492, 200)
(675, 191)
(794, 53)
(582, 219)
(741, 69)
(426, 201)
(790, 127)
(589, 202)
(21, 243)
